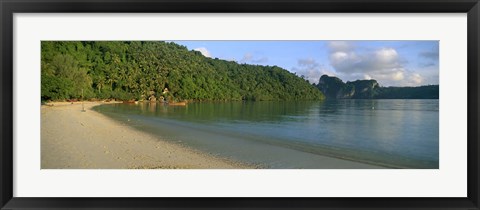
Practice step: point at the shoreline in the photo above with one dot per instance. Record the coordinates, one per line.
(72, 139)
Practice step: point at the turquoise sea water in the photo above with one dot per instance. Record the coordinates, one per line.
(389, 133)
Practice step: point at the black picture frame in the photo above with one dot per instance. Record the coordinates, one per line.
(9, 7)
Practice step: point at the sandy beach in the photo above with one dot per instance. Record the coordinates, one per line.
(72, 139)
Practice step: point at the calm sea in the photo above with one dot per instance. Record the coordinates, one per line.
(388, 133)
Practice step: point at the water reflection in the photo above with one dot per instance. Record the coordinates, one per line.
(226, 111)
(400, 133)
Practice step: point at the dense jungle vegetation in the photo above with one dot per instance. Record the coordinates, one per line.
(137, 70)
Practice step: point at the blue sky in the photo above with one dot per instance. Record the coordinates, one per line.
(391, 63)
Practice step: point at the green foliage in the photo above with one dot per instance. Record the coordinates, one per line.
(64, 76)
(137, 70)
(55, 88)
(335, 88)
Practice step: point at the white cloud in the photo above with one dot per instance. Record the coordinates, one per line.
(340, 46)
(416, 78)
(429, 75)
(382, 64)
(311, 69)
(204, 51)
(398, 75)
(339, 57)
(387, 56)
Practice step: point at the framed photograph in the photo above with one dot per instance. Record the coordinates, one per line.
(239, 105)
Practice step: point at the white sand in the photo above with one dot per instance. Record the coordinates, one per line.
(74, 139)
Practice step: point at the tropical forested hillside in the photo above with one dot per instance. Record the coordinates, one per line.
(141, 69)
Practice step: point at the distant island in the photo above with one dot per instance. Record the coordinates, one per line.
(335, 88)
(150, 70)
